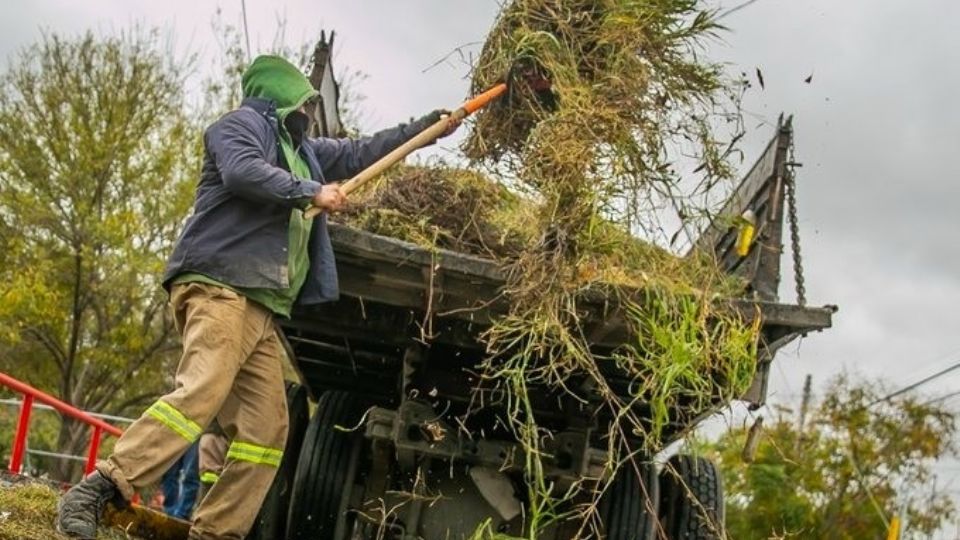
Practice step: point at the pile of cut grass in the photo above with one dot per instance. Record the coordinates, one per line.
(444, 207)
(28, 511)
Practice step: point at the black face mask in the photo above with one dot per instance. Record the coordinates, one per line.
(296, 124)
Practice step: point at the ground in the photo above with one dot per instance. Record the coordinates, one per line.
(28, 508)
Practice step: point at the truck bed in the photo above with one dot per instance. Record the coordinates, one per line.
(388, 286)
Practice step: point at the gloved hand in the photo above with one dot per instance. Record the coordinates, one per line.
(436, 115)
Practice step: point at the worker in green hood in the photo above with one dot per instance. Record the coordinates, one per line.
(273, 78)
(246, 255)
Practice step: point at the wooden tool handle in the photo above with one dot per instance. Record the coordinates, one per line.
(426, 136)
(384, 163)
(418, 141)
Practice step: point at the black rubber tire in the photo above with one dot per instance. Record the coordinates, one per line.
(628, 507)
(272, 519)
(691, 499)
(321, 476)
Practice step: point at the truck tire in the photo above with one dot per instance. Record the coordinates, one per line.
(323, 471)
(272, 519)
(628, 508)
(691, 499)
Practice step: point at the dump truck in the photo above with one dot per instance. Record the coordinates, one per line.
(385, 453)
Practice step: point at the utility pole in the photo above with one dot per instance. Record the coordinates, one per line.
(804, 407)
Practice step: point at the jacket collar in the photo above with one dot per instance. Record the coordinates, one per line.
(266, 107)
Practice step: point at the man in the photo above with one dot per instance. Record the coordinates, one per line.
(245, 255)
(181, 483)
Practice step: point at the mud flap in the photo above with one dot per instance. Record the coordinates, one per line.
(497, 489)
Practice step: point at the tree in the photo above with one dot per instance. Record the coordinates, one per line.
(98, 158)
(844, 474)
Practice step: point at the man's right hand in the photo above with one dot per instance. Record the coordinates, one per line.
(329, 198)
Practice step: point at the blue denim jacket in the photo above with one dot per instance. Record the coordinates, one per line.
(237, 233)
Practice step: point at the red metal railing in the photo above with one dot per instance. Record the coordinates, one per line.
(31, 394)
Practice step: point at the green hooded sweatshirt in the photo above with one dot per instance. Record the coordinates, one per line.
(277, 80)
(273, 78)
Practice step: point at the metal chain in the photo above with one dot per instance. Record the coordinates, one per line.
(791, 192)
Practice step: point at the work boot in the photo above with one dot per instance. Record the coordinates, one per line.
(80, 509)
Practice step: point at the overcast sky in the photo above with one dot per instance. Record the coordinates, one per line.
(876, 129)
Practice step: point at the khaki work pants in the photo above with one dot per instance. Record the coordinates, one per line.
(230, 371)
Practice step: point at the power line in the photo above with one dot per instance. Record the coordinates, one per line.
(942, 360)
(942, 398)
(923, 381)
(735, 9)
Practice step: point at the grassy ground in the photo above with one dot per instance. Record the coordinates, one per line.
(27, 511)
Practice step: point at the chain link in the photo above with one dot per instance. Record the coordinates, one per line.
(791, 192)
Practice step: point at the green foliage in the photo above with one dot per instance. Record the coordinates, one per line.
(683, 357)
(845, 473)
(97, 162)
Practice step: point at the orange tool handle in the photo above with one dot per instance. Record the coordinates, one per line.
(417, 141)
(480, 101)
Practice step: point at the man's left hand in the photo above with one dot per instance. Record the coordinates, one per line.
(440, 114)
(452, 123)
